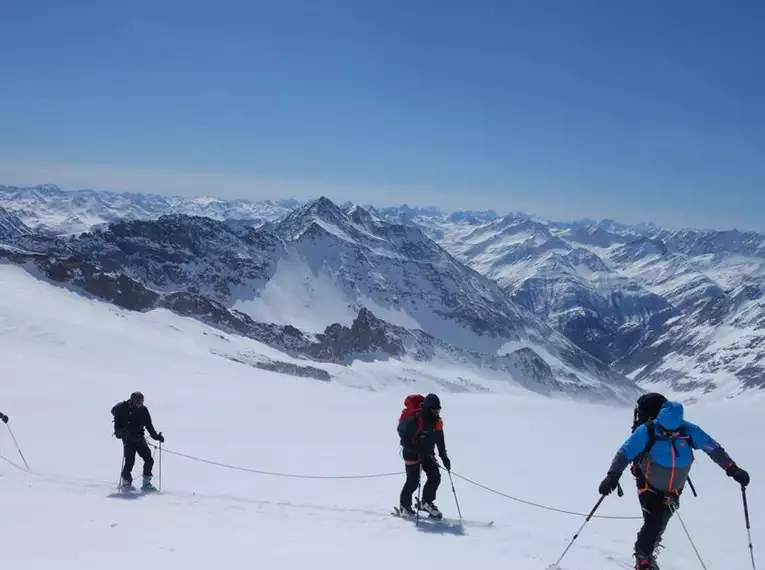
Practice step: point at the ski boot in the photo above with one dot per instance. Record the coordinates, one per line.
(126, 485)
(432, 510)
(407, 512)
(147, 486)
(643, 562)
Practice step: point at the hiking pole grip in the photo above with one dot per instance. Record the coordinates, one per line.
(619, 490)
(748, 527)
(693, 489)
(595, 508)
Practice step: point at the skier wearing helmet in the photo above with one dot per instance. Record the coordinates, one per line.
(130, 419)
(421, 430)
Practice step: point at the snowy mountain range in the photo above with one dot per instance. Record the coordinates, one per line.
(49, 208)
(677, 310)
(319, 276)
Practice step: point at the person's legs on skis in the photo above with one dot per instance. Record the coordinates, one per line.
(430, 467)
(410, 486)
(129, 451)
(148, 464)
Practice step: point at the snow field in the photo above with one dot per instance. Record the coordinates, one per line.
(66, 360)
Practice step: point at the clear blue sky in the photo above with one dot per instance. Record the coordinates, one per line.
(636, 110)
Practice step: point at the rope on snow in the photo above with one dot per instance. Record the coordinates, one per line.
(380, 475)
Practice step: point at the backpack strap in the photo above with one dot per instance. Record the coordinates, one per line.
(651, 427)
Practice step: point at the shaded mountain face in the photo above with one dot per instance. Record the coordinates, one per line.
(333, 264)
(11, 226)
(185, 253)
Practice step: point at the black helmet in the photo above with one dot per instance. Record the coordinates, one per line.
(136, 397)
(432, 402)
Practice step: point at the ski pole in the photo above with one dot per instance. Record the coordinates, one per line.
(122, 467)
(16, 443)
(419, 496)
(748, 528)
(693, 544)
(160, 465)
(592, 512)
(459, 512)
(693, 489)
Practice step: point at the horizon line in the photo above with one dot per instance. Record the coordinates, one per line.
(416, 207)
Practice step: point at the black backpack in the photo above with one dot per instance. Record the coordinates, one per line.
(647, 408)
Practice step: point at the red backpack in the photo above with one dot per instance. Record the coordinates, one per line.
(412, 405)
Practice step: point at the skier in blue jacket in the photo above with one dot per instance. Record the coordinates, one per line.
(662, 450)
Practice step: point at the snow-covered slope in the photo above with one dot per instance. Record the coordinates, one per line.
(31, 304)
(67, 360)
(67, 212)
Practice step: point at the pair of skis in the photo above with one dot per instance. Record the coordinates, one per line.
(397, 512)
(132, 489)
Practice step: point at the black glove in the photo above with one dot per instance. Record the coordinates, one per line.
(447, 462)
(4, 418)
(119, 434)
(739, 475)
(160, 438)
(609, 484)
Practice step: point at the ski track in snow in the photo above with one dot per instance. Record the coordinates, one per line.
(67, 359)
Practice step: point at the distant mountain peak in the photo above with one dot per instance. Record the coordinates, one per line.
(320, 213)
(11, 226)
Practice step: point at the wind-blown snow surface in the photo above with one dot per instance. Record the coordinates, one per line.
(66, 360)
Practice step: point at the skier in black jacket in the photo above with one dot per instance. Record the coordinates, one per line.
(130, 419)
(420, 434)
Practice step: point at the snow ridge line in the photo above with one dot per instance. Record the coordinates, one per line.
(379, 475)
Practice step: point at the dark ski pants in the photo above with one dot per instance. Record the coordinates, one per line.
(413, 481)
(656, 514)
(142, 449)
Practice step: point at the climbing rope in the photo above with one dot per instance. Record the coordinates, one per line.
(274, 473)
(380, 475)
(538, 505)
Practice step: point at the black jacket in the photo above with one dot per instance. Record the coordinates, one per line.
(129, 422)
(420, 435)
